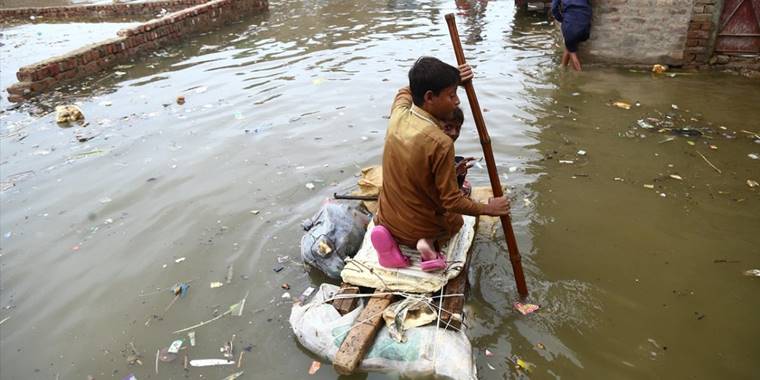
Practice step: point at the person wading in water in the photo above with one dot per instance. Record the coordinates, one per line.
(575, 16)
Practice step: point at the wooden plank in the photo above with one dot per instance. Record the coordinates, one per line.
(452, 308)
(362, 334)
(344, 306)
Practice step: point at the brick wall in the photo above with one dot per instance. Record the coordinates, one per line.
(638, 32)
(700, 37)
(96, 12)
(45, 75)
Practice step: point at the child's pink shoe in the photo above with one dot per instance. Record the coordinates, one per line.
(388, 253)
(436, 264)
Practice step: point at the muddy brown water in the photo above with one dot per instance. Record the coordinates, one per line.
(634, 282)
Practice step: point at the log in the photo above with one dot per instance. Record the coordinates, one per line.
(362, 335)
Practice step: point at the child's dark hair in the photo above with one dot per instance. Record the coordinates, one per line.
(457, 117)
(431, 74)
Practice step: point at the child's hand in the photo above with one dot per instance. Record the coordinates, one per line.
(465, 73)
(464, 164)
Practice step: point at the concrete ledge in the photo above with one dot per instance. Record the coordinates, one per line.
(129, 43)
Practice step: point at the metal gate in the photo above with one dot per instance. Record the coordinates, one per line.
(739, 27)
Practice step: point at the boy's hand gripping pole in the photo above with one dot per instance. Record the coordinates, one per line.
(493, 175)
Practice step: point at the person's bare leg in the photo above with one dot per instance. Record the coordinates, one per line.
(565, 58)
(427, 249)
(576, 61)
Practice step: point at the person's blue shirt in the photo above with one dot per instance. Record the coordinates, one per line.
(572, 11)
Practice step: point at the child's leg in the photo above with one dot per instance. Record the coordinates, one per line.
(426, 247)
(565, 58)
(576, 61)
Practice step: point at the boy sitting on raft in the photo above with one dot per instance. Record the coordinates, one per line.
(452, 127)
(420, 204)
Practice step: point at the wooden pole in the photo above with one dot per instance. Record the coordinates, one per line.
(493, 175)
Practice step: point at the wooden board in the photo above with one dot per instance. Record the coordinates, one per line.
(362, 335)
(452, 308)
(344, 306)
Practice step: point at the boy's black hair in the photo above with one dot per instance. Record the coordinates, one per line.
(457, 117)
(431, 74)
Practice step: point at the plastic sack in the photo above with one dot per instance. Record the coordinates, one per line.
(370, 184)
(428, 350)
(335, 232)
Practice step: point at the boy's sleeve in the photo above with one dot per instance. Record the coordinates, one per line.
(403, 99)
(557, 10)
(446, 182)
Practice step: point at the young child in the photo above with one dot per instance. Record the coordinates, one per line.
(575, 16)
(420, 203)
(452, 127)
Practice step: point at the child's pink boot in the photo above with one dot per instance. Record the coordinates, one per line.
(388, 253)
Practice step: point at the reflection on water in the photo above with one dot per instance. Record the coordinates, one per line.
(301, 94)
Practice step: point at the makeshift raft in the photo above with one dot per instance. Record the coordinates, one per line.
(358, 331)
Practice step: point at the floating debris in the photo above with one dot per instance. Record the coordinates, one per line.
(752, 183)
(752, 273)
(68, 113)
(255, 212)
(522, 364)
(754, 156)
(234, 375)
(710, 163)
(310, 186)
(643, 124)
(314, 367)
(228, 278)
(621, 104)
(581, 152)
(649, 186)
(165, 356)
(180, 100)
(235, 309)
(659, 69)
(175, 346)
(526, 308)
(676, 176)
(210, 362)
(216, 284)
(675, 107)
(191, 336)
(566, 161)
(618, 179)
(306, 293)
(179, 260)
(489, 353)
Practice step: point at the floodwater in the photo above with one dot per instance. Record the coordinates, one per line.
(634, 282)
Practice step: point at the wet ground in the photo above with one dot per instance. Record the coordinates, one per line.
(635, 250)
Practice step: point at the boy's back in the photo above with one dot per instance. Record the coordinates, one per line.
(419, 178)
